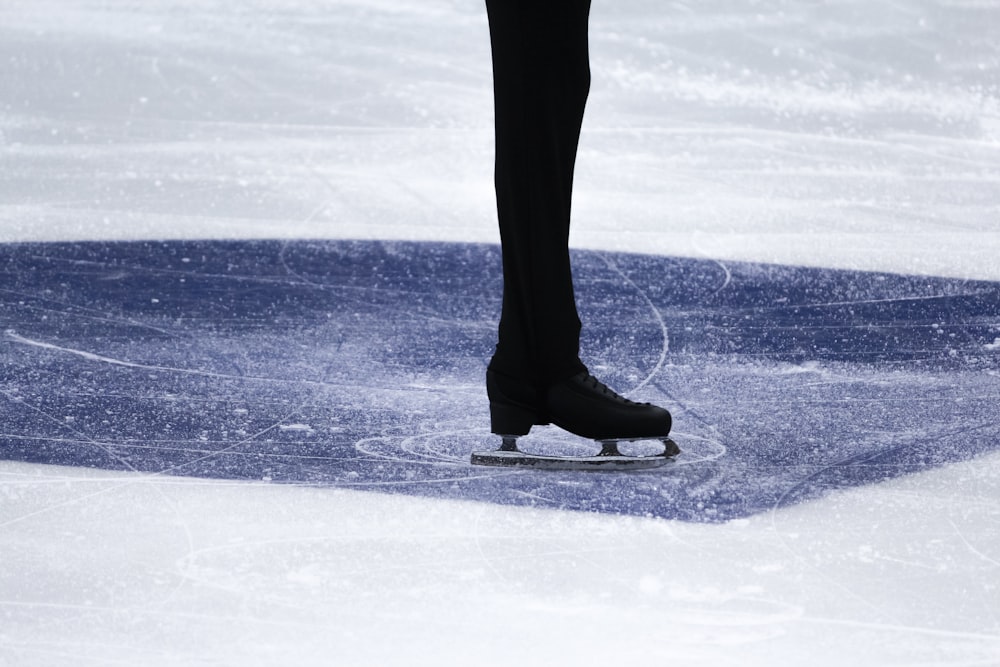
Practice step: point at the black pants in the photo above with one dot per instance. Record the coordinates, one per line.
(541, 77)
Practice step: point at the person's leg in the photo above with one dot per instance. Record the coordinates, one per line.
(541, 78)
(541, 74)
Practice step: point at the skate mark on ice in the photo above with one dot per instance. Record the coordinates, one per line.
(892, 300)
(90, 356)
(697, 449)
(176, 447)
(292, 272)
(727, 278)
(97, 358)
(69, 310)
(214, 454)
(665, 347)
(968, 545)
(62, 425)
(108, 448)
(449, 447)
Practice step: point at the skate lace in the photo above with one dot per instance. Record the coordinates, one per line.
(590, 381)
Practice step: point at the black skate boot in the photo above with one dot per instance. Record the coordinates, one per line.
(585, 406)
(581, 405)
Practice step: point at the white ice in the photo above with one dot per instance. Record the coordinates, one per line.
(847, 133)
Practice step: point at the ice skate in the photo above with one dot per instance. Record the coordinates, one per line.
(581, 405)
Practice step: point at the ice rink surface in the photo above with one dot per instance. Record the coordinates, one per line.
(248, 287)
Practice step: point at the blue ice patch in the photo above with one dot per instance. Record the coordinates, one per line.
(360, 364)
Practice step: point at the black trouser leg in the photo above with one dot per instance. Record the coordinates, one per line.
(541, 76)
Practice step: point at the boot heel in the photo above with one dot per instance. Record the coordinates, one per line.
(507, 419)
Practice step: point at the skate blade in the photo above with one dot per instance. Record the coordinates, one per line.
(518, 459)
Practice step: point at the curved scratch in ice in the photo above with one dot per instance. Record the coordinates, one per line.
(728, 279)
(284, 248)
(709, 449)
(90, 356)
(989, 559)
(656, 314)
(419, 447)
